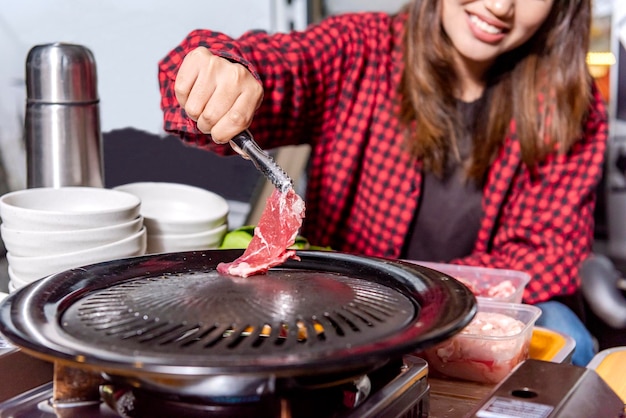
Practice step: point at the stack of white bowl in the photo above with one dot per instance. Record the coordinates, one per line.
(49, 230)
(180, 217)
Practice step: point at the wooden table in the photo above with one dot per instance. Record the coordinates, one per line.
(455, 398)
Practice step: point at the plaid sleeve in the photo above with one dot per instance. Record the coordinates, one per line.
(302, 74)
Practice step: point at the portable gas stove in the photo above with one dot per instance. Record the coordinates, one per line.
(396, 390)
(329, 335)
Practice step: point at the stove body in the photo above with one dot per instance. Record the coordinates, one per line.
(398, 389)
(542, 389)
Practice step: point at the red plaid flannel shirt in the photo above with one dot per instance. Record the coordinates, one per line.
(334, 86)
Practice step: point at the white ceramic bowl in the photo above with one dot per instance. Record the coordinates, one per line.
(67, 208)
(172, 208)
(204, 240)
(33, 268)
(16, 282)
(12, 286)
(27, 243)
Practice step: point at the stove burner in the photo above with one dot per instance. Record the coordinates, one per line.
(130, 402)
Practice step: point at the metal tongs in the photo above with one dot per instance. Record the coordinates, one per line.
(245, 145)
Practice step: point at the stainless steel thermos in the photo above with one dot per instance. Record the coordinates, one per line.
(62, 126)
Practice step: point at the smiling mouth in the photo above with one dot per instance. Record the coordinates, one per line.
(485, 27)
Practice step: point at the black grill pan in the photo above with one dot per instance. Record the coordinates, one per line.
(174, 315)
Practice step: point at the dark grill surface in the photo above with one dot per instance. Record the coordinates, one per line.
(206, 313)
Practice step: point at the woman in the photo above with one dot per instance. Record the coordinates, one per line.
(459, 131)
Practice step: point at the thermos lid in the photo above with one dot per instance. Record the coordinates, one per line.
(61, 73)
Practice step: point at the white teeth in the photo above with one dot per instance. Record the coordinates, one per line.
(484, 26)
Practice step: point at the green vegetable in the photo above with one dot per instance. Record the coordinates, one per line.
(240, 238)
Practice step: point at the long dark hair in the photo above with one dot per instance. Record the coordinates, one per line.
(543, 86)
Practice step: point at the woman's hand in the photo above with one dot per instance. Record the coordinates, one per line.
(219, 95)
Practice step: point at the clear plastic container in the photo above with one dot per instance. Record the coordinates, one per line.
(497, 340)
(496, 284)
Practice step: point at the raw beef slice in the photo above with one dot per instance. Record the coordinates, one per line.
(275, 233)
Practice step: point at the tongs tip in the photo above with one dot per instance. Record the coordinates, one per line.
(246, 146)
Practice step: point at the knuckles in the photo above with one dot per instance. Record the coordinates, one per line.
(211, 70)
(193, 110)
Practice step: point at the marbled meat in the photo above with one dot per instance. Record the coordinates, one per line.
(276, 231)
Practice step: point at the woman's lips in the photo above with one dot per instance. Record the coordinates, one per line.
(484, 31)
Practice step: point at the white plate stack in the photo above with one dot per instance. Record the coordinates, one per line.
(48, 230)
(180, 217)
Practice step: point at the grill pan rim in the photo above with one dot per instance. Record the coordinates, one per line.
(27, 316)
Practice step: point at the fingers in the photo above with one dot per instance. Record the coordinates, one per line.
(219, 95)
(230, 112)
(188, 74)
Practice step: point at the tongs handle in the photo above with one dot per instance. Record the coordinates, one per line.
(247, 147)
